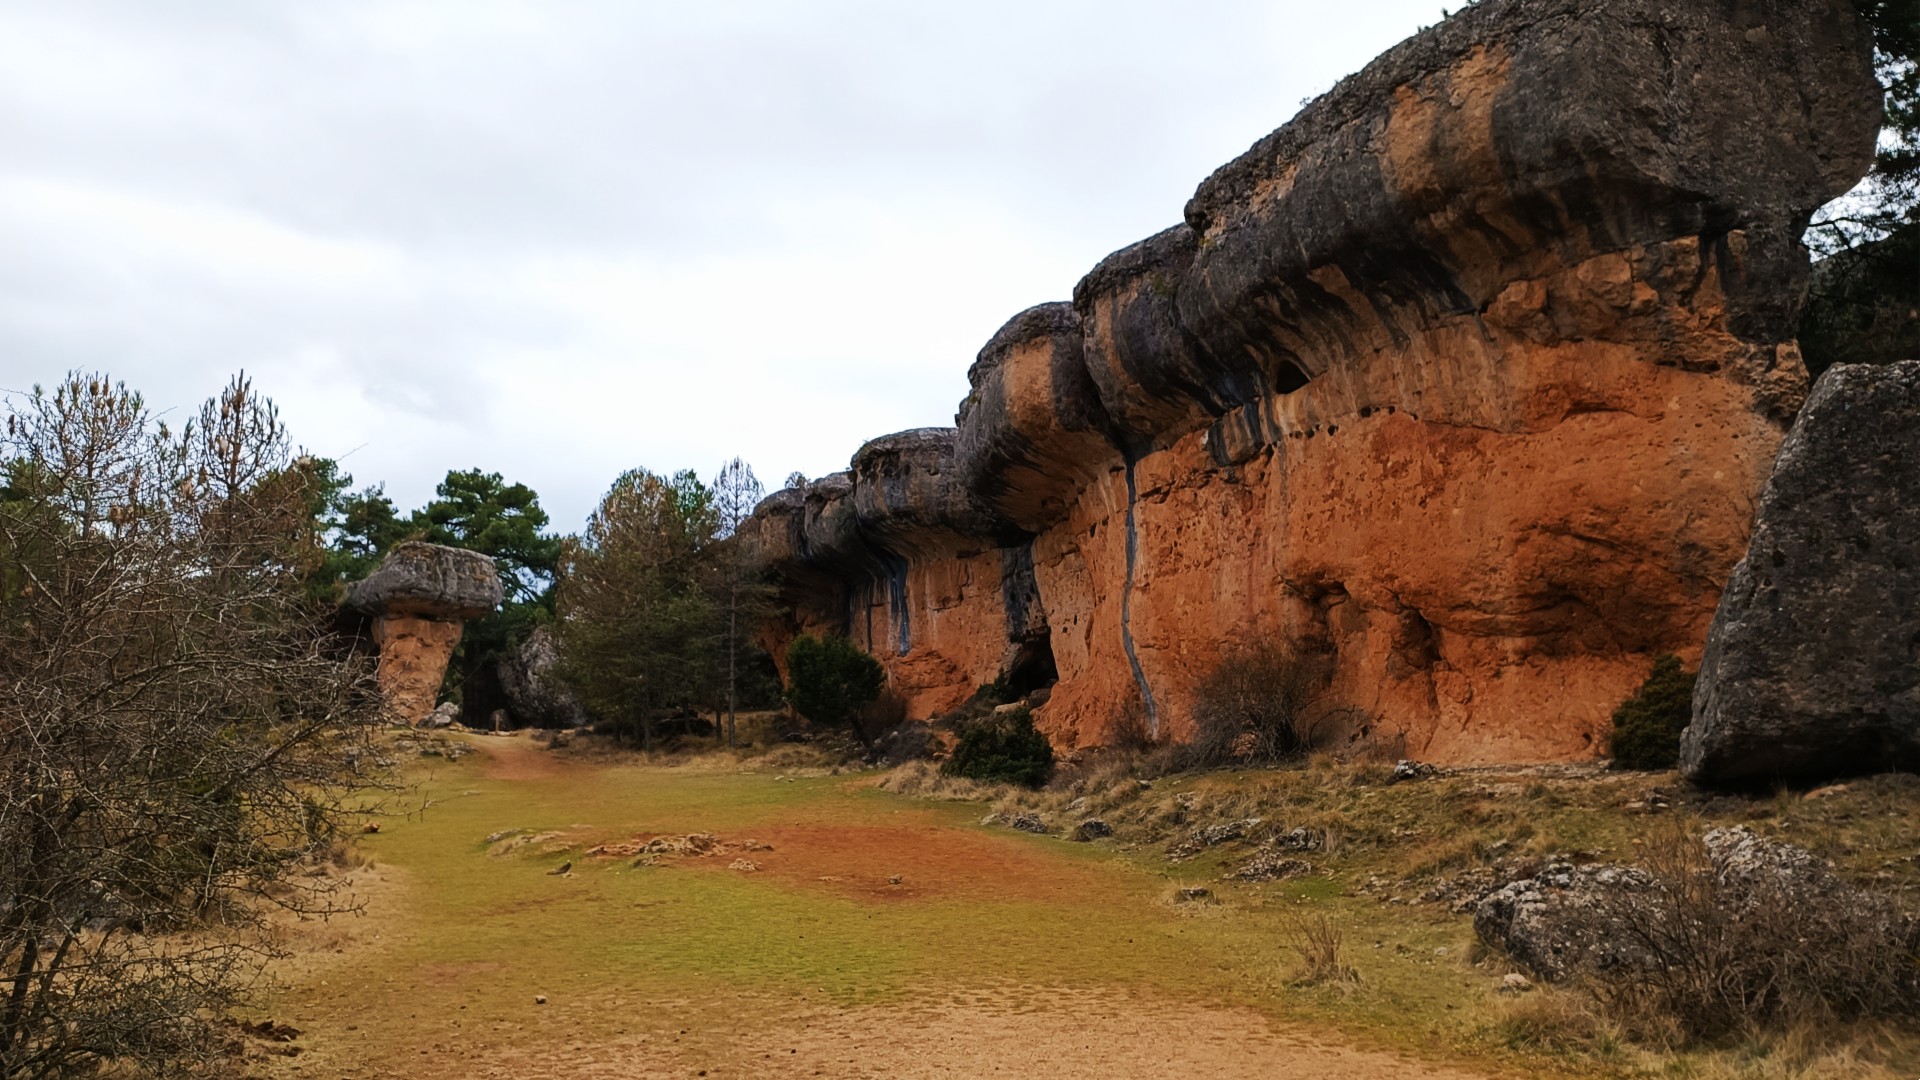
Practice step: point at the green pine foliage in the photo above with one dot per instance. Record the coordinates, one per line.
(1862, 306)
(1002, 748)
(635, 625)
(480, 511)
(1647, 726)
(830, 682)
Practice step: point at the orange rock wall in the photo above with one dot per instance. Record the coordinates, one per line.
(954, 629)
(1493, 559)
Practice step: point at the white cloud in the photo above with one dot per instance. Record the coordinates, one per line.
(562, 239)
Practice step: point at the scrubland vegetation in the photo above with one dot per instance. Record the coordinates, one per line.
(178, 724)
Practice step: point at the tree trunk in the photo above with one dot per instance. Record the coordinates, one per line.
(733, 652)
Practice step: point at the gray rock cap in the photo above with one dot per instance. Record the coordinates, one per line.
(430, 581)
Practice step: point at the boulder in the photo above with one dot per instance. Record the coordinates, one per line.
(1203, 837)
(429, 581)
(1570, 920)
(1270, 865)
(1092, 829)
(1410, 770)
(1810, 669)
(1029, 822)
(535, 695)
(1563, 920)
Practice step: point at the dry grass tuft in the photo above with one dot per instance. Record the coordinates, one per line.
(1553, 1021)
(1320, 946)
(923, 779)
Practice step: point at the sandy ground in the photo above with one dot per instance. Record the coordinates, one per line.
(1056, 1035)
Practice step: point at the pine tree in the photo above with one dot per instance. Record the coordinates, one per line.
(743, 598)
(634, 617)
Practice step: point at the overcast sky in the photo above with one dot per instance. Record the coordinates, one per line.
(561, 239)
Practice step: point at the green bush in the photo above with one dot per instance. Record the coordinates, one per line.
(1647, 726)
(1003, 748)
(831, 682)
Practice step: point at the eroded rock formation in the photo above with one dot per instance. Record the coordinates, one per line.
(1810, 666)
(418, 600)
(1467, 376)
(529, 681)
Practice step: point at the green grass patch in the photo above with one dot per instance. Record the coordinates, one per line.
(677, 948)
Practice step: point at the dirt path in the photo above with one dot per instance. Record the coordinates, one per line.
(861, 937)
(1065, 1036)
(516, 758)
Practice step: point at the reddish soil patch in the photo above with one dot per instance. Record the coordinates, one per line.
(890, 863)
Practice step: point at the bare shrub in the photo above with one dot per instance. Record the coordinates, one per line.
(884, 713)
(176, 722)
(1751, 934)
(1256, 706)
(1321, 947)
(1127, 730)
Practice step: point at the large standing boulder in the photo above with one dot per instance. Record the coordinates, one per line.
(418, 599)
(535, 695)
(1812, 667)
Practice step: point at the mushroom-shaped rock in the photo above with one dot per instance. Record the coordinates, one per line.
(1150, 377)
(1524, 136)
(418, 599)
(909, 495)
(429, 581)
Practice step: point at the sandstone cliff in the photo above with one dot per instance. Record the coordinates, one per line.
(1468, 375)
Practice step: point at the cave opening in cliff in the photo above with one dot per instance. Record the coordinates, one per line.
(1288, 377)
(1032, 667)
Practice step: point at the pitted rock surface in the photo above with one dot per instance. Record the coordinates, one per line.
(429, 581)
(1571, 919)
(1810, 666)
